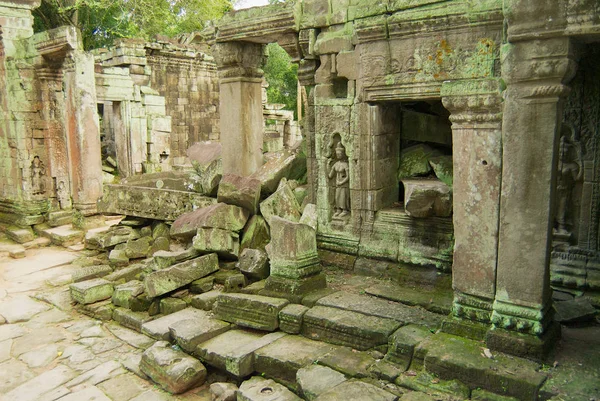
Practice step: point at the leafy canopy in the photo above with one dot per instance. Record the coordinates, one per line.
(282, 76)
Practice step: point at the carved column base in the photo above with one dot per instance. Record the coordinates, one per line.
(524, 345)
(521, 319)
(470, 316)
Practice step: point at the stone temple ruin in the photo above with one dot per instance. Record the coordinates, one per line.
(451, 147)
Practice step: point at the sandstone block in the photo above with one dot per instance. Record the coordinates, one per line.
(202, 285)
(90, 272)
(355, 389)
(162, 281)
(225, 243)
(252, 311)
(20, 235)
(159, 328)
(309, 216)
(240, 191)
(259, 389)
(219, 215)
(425, 198)
(290, 318)
(235, 283)
(171, 305)
(130, 319)
(205, 301)
(223, 391)
(190, 333)
(138, 248)
(256, 233)
(118, 257)
(60, 218)
(110, 238)
(162, 259)
(173, 370)
(414, 161)
(254, 263)
(443, 168)
(288, 163)
(283, 204)
(316, 379)
(123, 293)
(87, 292)
(208, 166)
(402, 343)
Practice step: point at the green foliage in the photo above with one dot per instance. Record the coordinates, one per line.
(282, 76)
(103, 21)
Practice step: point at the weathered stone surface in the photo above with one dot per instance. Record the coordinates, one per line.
(290, 318)
(160, 229)
(64, 235)
(402, 343)
(574, 311)
(289, 163)
(314, 380)
(111, 237)
(159, 244)
(282, 203)
(60, 218)
(223, 391)
(90, 272)
(208, 166)
(162, 259)
(118, 257)
(259, 389)
(133, 338)
(123, 293)
(189, 333)
(202, 285)
(240, 191)
(169, 279)
(100, 310)
(225, 243)
(171, 305)
(173, 370)
(348, 361)
(309, 216)
(254, 263)
(20, 309)
(355, 389)
(220, 215)
(282, 358)
(256, 233)
(252, 311)
(159, 329)
(414, 161)
(438, 300)
(20, 235)
(138, 248)
(235, 283)
(88, 292)
(443, 169)
(425, 198)
(205, 301)
(130, 319)
(37, 387)
(430, 384)
(348, 328)
(126, 274)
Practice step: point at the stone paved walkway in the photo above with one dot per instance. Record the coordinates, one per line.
(50, 352)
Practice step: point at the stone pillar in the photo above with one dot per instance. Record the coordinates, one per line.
(536, 72)
(306, 78)
(83, 132)
(240, 106)
(476, 107)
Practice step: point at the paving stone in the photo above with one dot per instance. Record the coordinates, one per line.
(436, 300)
(482, 395)
(159, 329)
(357, 390)
(90, 291)
(19, 373)
(8, 331)
(385, 370)
(17, 253)
(151, 395)
(281, 359)
(123, 387)
(452, 357)
(39, 242)
(205, 301)
(40, 357)
(202, 285)
(290, 318)
(90, 272)
(99, 374)
(188, 334)
(447, 390)
(171, 305)
(314, 380)
(34, 389)
(21, 309)
(132, 364)
(56, 393)
(259, 389)
(350, 362)
(223, 391)
(252, 311)
(254, 263)
(171, 278)
(574, 311)
(220, 215)
(87, 394)
(131, 337)
(344, 327)
(402, 343)
(50, 316)
(224, 242)
(5, 347)
(37, 339)
(105, 345)
(131, 319)
(173, 370)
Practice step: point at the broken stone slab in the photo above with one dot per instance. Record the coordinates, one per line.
(235, 283)
(414, 161)
(314, 380)
(282, 203)
(225, 243)
(401, 344)
(126, 274)
(90, 272)
(163, 259)
(259, 389)
(350, 362)
(426, 198)
(347, 328)
(208, 166)
(60, 218)
(90, 291)
(254, 288)
(64, 235)
(206, 300)
(288, 163)
(309, 216)
(357, 390)
(256, 234)
(118, 257)
(171, 305)
(159, 328)
(130, 319)
(223, 391)
(189, 333)
(159, 244)
(254, 263)
(219, 215)
(163, 281)
(100, 310)
(111, 237)
(173, 370)
(160, 229)
(574, 311)
(290, 318)
(202, 285)
(281, 359)
(240, 191)
(254, 311)
(138, 248)
(443, 168)
(20, 235)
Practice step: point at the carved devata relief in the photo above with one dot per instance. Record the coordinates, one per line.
(38, 176)
(338, 174)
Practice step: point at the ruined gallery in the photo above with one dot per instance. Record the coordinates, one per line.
(424, 226)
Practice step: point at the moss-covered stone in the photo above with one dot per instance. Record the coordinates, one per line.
(256, 233)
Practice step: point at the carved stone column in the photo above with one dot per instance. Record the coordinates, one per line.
(536, 72)
(306, 78)
(240, 79)
(476, 107)
(83, 132)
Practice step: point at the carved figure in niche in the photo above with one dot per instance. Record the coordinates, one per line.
(569, 172)
(38, 172)
(341, 171)
(64, 200)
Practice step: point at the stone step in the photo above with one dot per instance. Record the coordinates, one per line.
(189, 333)
(373, 306)
(451, 357)
(356, 390)
(435, 300)
(63, 235)
(60, 218)
(20, 235)
(347, 328)
(160, 328)
(254, 311)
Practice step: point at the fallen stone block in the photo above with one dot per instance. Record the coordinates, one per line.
(189, 333)
(102, 310)
(356, 390)
(256, 233)
(163, 281)
(314, 380)
(118, 257)
(290, 318)
(126, 274)
(111, 237)
(219, 215)
(159, 328)
(130, 319)
(208, 166)
(202, 285)
(17, 253)
(163, 259)
(282, 203)
(235, 283)
(64, 235)
(288, 163)
(259, 389)
(309, 216)
(574, 311)
(206, 300)
(223, 391)
(173, 370)
(402, 343)
(20, 235)
(159, 244)
(90, 291)
(225, 243)
(240, 191)
(171, 305)
(138, 248)
(443, 168)
(123, 293)
(90, 272)
(254, 311)
(60, 218)
(414, 161)
(254, 288)
(254, 263)
(426, 198)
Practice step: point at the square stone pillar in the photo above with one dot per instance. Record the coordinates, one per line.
(83, 132)
(476, 107)
(240, 79)
(536, 72)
